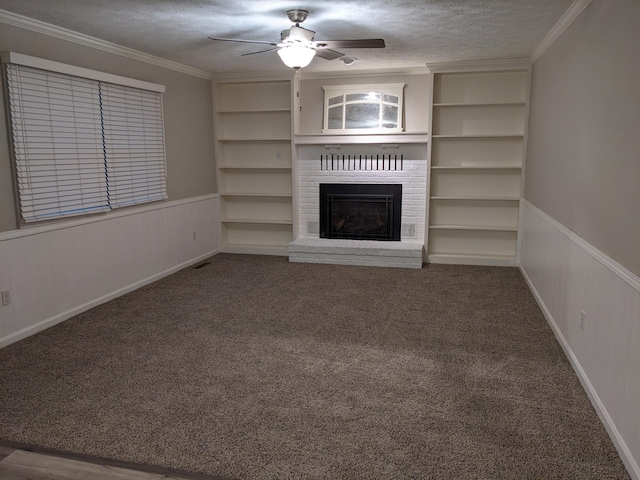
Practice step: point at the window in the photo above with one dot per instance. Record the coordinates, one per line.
(82, 145)
(363, 108)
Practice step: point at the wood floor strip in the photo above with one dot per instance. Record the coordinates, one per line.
(21, 465)
(5, 451)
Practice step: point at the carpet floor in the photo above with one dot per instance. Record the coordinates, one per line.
(256, 368)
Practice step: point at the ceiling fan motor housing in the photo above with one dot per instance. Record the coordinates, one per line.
(297, 15)
(297, 34)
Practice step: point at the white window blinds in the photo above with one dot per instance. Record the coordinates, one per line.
(57, 141)
(134, 144)
(83, 145)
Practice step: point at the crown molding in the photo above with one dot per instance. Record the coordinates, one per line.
(570, 15)
(251, 77)
(313, 75)
(480, 65)
(92, 42)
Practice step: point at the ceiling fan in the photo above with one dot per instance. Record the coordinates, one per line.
(297, 46)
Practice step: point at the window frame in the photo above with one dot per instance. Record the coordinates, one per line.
(334, 91)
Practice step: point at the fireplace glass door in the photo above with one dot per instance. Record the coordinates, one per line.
(360, 211)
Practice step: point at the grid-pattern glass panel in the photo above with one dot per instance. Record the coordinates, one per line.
(365, 109)
(335, 118)
(364, 97)
(389, 116)
(362, 115)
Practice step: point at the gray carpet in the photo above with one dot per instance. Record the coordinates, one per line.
(255, 368)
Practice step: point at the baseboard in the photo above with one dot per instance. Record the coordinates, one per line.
(61, 317)
(614, 434)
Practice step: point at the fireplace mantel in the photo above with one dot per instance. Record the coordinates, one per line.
(350, 139)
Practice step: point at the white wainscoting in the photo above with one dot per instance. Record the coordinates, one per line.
(55, 272)
(569, 276)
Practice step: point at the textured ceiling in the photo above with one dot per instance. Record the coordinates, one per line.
(415, 32)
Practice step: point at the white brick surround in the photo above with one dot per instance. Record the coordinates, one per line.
(413, 178)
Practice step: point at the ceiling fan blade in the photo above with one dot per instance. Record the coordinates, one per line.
(242, 41)
(261, 51)
(364, 43)
(328, 54)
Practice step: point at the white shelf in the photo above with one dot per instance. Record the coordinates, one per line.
(257, 235)
(506, 119)
(261, 125)
(258, 221)
(270, 110)
(254, 140)
(255, 168)
(477, 167)
(482, 135)
(255, 154)
(481, 87)
(478, 198)
(472, 242)
(256, 194)
(473, 213)
(477, 151)
(253, 96)
(459, 259)
(481, 182)
(494, 228)
(479, 104)
(256, 249)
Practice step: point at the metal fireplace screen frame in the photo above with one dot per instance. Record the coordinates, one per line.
(360, 211)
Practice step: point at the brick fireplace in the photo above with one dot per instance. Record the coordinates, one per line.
(402, 165)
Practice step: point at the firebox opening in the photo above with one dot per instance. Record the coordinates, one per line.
(360, 211)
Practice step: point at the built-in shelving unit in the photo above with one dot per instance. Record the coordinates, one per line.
(477, 150)
(253, 137)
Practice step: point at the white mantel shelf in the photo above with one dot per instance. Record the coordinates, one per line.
(421, 137)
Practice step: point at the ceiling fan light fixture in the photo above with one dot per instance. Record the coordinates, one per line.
(296, 56)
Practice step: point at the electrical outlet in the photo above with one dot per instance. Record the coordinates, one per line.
(583, 315)
(278, 155)
(194, 236)
(6, 297)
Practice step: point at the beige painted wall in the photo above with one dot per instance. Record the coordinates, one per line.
(416, 100)
(583, 155)
(188, 114)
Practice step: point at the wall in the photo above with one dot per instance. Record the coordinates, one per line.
(59, 270)
(579, 229)
(583, 165)
(188, 114)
